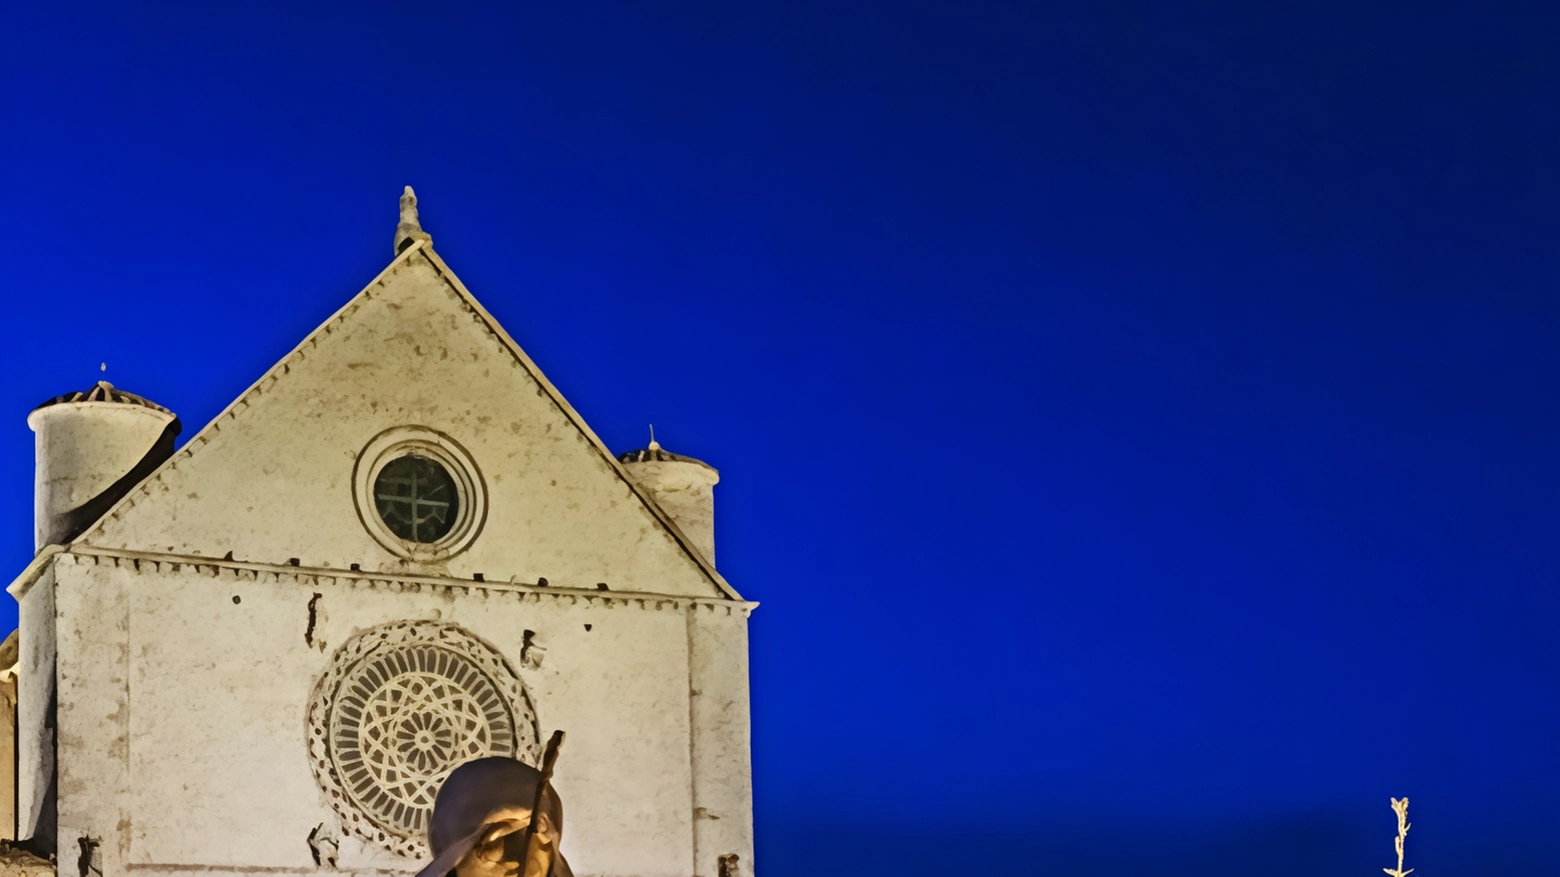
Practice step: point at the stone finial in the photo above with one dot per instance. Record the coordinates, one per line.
(409, 229)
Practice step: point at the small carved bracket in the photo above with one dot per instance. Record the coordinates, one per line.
(531, 653)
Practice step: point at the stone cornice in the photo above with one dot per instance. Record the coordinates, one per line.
(30, 573)
(145, 561)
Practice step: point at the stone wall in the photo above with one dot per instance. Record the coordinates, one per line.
(184, 713)
(8, 660)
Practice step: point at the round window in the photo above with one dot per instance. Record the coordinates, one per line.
(398, 708)
(419, 493)
(416, 498)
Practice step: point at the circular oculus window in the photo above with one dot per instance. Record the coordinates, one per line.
(419, 493)
(416, 498)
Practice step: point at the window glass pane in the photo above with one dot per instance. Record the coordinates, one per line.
(416, 498)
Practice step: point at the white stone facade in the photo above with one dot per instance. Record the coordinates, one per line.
(178, 659)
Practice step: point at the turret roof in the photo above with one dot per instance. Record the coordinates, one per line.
(103, 391)
(656, 454)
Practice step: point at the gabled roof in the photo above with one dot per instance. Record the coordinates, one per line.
(418, 251)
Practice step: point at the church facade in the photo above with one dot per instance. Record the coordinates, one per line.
(398, 550)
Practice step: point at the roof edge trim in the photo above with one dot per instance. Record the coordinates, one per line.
(281, 367)
(579, 422)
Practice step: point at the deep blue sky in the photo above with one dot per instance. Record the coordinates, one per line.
(1139, 421)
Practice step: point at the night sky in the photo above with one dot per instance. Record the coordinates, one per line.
(1138, 421)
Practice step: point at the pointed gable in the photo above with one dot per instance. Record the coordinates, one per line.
(275, 478)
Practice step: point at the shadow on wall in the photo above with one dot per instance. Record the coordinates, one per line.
(1304, 847)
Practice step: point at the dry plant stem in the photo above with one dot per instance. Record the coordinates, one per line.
(1400, 807)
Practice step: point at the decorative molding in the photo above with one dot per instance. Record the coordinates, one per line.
(34, 569)
(151, 562)
(470, 490)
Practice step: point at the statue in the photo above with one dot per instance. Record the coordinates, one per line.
(498, 817)
(409, 230)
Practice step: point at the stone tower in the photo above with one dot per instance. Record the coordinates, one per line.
(92, 447)
(683, 486)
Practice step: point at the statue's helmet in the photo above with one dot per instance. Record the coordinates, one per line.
(481, 798)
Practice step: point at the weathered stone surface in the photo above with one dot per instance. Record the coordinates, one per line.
(272, 477)
(9, 654)
(84, 445)
(683, 487)
(409, 230)
(182, 657)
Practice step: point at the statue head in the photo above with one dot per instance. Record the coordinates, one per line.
(479, 822)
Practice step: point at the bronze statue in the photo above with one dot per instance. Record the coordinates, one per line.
(483, 825)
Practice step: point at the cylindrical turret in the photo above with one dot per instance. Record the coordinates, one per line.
(92, 447)
(683, 487)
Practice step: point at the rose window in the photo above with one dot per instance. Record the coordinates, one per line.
(401, 707)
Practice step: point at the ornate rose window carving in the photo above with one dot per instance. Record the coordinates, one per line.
(401, 706)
